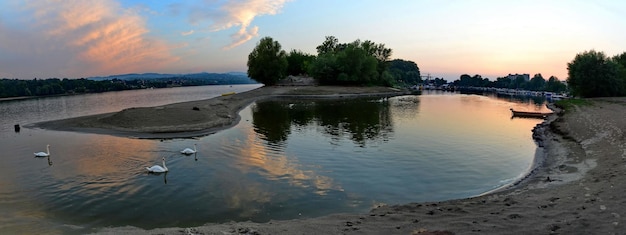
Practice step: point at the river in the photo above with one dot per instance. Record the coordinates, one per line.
(286, 159)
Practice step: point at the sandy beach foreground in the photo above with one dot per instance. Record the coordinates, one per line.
(577, 185)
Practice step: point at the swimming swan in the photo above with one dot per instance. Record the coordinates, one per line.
(42, 154)
(157, 168)
(189, 151)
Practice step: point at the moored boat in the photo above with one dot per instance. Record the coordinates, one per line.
(529, 114)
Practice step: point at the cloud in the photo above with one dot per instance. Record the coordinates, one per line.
(88, 37)
(190, 32)
(237, 13)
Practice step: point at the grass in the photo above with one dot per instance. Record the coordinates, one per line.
(568, 104)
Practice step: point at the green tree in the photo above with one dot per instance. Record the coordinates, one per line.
(466, 80)
(502, 82)
(536, 83)
(621, 61)
(329, 45)
(404, 71)
(356, 67)
(298, 62)
(267, 63)
(554, 85)
(356, 63)
(325, 68)
(592, 74)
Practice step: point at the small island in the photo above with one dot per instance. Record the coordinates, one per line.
(203, 117)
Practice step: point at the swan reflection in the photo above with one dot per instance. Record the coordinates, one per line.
(160, 173)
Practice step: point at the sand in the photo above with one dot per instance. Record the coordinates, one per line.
(577, 184)
(198, 118)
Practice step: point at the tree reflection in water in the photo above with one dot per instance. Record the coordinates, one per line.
(360, 120)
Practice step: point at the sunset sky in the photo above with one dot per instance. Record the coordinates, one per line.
(446, 38)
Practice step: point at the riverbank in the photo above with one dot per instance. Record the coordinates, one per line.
(198, 118)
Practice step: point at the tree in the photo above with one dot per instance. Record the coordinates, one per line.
(356, 66)
(502, 82)
(466, 80)
(355, 63)
(554, 85)
(592, 74)
(298, 62)
(536, 83)
(267, 63)
(404, 71)
(329, 45)
(621, 61)
(325, 68)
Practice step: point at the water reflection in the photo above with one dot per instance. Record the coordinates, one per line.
(360, 120)
(294, 156)
(158, 174)
(405, 107)
(535, 103)
(47, 158)
(274, 164)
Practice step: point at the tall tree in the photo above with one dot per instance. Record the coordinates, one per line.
(554, 85)
(329, 45)
(592, 74)
(267, 63)
(351, 63)
(536, 83)
(405, 71)
(621, 61)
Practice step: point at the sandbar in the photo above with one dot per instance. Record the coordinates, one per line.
(202, 117)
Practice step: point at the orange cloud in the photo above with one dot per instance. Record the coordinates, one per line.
(240, 13)
(100, 36)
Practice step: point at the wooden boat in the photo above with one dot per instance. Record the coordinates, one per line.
(529, 114)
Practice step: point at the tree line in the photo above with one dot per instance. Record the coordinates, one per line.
(355, 63)
(590, 74)
(536, 83)
(55, 86)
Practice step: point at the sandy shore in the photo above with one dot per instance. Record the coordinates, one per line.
(198, 118)
(576, 187)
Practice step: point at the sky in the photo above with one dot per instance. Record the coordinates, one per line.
(446, 38)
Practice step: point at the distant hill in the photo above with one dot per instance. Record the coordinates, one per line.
(205, 78)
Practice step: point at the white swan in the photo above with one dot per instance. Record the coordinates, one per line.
(42, 154)
(189, 151)
(157, 168)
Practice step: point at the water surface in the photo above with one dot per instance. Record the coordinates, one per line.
(286, 159)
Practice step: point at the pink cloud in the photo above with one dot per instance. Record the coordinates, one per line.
(95, 38)
(239, 13)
